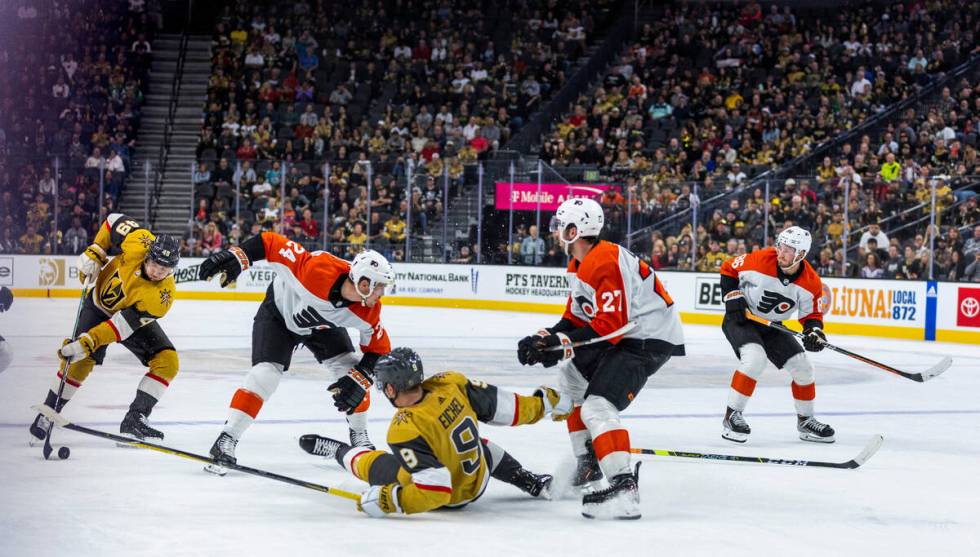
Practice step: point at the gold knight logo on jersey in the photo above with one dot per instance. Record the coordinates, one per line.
(51, 272)
(166, 296)
(403, 417)
(112, 292)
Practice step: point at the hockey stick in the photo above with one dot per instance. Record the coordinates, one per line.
(629, 326)
(61, 421)
(869, 450)
(64, 452)
(922, 377)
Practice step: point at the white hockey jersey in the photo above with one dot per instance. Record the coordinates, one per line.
(771, 295)
(612, 287)
(302, 294)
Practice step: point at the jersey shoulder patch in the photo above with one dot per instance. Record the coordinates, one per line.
(158, 300)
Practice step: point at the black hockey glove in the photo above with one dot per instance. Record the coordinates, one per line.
(814, 339)
(526, 354)
(735, 307)
(6, 298)
(228, 264)
(348, 391)
(543, 349)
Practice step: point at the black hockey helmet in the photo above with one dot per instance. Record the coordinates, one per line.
(165, 250)
(401, 368)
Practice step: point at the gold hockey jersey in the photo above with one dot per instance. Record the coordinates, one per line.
(121, 291)
(437, 441)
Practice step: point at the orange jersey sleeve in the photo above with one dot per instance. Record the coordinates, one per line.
(316, 274)
(378, 342)
(762, 260)
(810, 281)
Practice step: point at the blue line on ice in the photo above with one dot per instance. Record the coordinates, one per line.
(625, 417)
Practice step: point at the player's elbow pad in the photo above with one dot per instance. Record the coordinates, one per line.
(254, 248)
(728, 284)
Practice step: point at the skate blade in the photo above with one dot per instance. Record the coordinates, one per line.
(545, 493)
(815, 439)
(34, 442)
(216, 470)
(735, 436)
(630, 517)
(596, 512)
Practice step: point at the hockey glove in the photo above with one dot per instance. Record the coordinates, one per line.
(735, 307)
(77, 350)
(90, 262)
(378, 501)
(526, 354)
(349, 390)
(6, 298)
(546, 351)
(560, 407)
(228, 264)
(814, 339)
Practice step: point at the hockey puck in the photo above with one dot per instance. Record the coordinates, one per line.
(64, 453)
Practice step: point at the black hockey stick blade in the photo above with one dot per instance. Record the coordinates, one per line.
(869, 450)
(60, 421)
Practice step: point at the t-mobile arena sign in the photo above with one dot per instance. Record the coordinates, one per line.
(524, 196)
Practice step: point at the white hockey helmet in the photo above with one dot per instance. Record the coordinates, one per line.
(373, 266)
(796, 238)
(584, 213)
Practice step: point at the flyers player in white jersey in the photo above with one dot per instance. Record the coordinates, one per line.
(773, 283)
(312, 301)
(610, 287)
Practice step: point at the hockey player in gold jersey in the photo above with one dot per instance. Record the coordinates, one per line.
(134, 286)
(438, 458)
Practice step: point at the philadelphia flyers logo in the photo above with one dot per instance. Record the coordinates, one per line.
(586, 306)
(775, 302)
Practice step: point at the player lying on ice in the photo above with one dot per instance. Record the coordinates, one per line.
(132, 291)
(437, 457)
(312, 301)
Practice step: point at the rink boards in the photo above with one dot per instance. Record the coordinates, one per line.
(920, 310)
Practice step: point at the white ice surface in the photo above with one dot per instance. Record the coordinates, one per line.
(920, 495)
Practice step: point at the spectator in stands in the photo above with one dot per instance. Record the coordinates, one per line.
(394, 229)
(356, 239)
(972, 245)
(30, 241)
(873, 231)
(972, 271)
(309, 226)
(76, 239)
(464, 256)
(871, 267)
(211, 240)
(532, 247)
